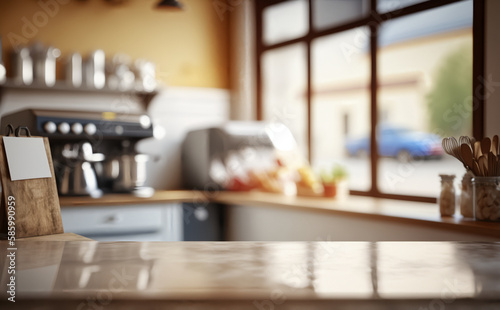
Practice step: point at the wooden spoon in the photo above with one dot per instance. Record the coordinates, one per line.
(494, 145)
(477, 150)
(468, 158)
(466, 140)
(485, 145)
(492, 160)
(477, 168)
(498, 166)
(483, 165)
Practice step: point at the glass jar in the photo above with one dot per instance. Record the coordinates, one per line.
(486, 198)
(447, 197)
(466, 204)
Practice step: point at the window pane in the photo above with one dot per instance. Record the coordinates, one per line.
(329, 13)
(425, 89)
(341, 104)
(285, 21)
(284, 87)
(384, 6)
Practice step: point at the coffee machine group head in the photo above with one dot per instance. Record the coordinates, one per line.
(93, 152)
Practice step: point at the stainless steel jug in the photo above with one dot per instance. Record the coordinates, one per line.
(77, 175)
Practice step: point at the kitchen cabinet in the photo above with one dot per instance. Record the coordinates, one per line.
(186, 216)
(147, 222)
(141, 222)
(203, 222)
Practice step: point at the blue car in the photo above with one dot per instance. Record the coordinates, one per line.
(403, 144)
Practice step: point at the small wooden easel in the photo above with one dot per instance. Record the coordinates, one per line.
(32, 205)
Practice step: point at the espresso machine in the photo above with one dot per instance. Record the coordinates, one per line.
(93, 152)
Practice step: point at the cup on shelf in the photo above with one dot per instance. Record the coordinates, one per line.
(22, 67)
(74, 70)
(44, 64)
(94, 70)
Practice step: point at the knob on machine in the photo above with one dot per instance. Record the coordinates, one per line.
(90, 129)
(77, 128)
(63, 128)
(50, 127)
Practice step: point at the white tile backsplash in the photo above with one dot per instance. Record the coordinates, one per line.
(176, 111)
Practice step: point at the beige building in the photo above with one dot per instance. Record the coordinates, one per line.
(341, 105)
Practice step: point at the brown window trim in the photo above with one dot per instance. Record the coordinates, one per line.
(478, 54)
(373, 20)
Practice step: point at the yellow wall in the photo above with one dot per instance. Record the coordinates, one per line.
(190, 47)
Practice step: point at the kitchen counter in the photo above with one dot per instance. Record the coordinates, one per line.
(254, 275)
(417, 213)
(405, 212)
(161, 196)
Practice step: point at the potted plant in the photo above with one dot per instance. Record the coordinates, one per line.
(330, 179)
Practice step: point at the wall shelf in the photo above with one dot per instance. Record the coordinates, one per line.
(61, 86)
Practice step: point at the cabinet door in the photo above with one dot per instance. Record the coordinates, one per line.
(203, 222)
(125, 223)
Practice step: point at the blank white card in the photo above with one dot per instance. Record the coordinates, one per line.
(26, 158)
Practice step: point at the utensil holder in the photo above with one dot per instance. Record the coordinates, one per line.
(486, 198)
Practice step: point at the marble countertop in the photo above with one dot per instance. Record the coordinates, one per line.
(254, 275)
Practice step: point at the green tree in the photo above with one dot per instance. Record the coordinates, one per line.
(449, 101)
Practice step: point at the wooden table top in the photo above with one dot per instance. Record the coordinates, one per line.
(55, 237)
(254, 275)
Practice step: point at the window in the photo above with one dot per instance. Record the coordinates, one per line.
(284, 80)
(348, 74)
(340, 86)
